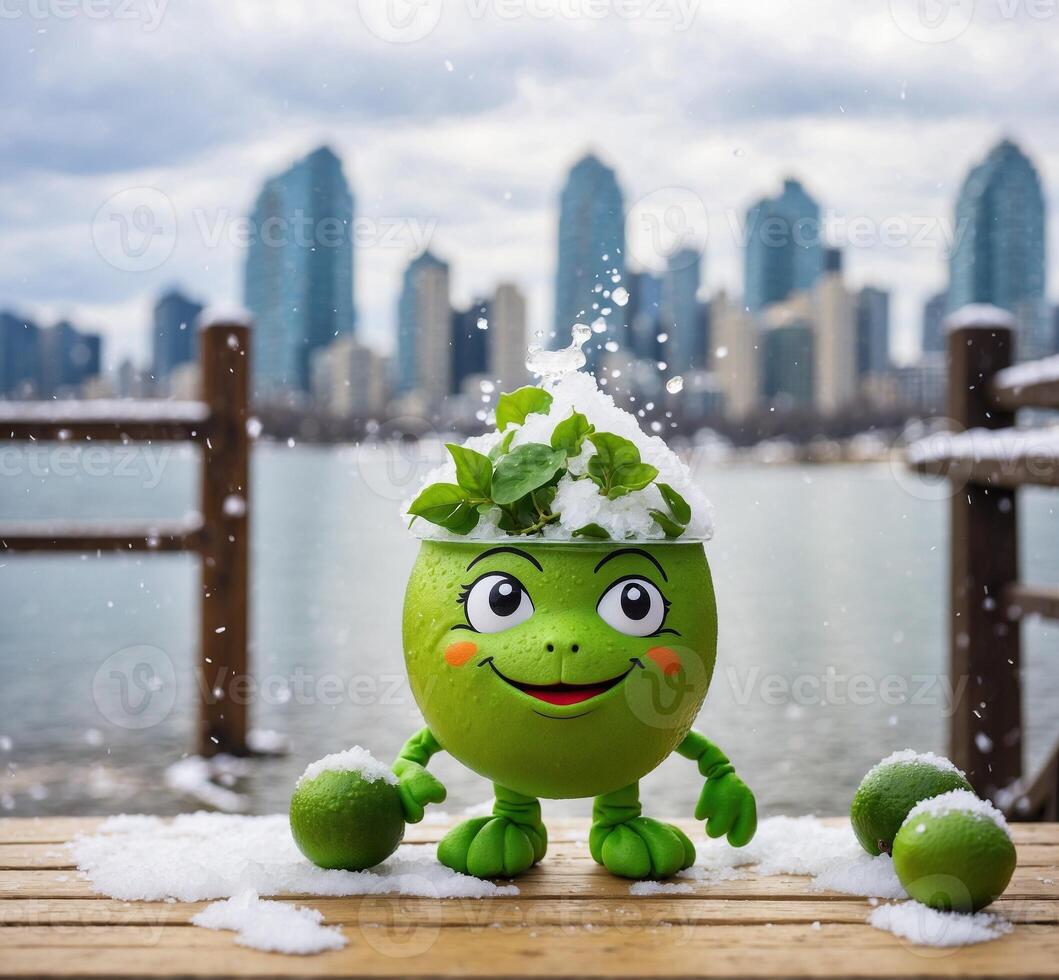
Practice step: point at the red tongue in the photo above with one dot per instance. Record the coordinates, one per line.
(567, 695)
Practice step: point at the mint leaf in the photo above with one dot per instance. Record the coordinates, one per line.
(526, 468)
(667, 524)
(616, 468)
(677, 505)
(569, 435)
(502, 446)
(514, 407)
(593, 531)
(447, 505)
(474, 472)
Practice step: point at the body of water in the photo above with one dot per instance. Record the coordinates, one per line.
(831, 587)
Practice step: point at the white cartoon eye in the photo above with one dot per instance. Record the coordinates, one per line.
(633, 606)
(497, 602)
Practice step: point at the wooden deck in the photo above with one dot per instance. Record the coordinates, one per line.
(571, 919)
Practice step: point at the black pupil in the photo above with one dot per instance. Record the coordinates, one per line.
(635, 602)
(505, 597)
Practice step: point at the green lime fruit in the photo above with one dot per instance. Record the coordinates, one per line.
(891, 788)
(346, 819)
(560, 670)
(954, 853)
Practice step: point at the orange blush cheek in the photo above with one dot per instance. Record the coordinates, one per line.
(666, 659)
(459, 653)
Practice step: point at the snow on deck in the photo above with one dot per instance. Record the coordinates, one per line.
(104, 410)
(987, 444)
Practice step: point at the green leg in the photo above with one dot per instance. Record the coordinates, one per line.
(509, 842)
(633, 846)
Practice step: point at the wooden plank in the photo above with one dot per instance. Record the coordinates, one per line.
(85, 537)
(663, 951)
(56, 856)
(1029, 385)
(985, 727)
(1022, 601)
(554, 880)
(225, 505)
(104, 421)
(473, 913)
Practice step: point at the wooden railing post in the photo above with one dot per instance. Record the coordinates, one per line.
(225, 354)
(986, 724)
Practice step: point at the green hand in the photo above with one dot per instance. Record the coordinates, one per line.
(416, 787)
(728, 807)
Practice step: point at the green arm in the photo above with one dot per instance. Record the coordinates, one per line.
(415, 785)
(726, 803)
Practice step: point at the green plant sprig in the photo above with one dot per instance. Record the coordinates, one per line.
(521, 482)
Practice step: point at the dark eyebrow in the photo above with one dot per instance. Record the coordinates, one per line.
(508, 550)
(632, 551)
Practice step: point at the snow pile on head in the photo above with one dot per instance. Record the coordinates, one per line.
(356, 759)
(925, 926)
(275, 927)
(806, 846)
(959, 801)
(911, 755)
(202, 856)
(578, 501)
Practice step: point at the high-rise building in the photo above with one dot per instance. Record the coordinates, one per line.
(683, 349)
(998, 253)
(932, 340)
(20, 356)
(348, 380)
(507, 337)
(736, 356)
(643, 313)
(834, 341)
(591, 255)
(873, 331)
(299, 269)
(174, 339)
(788, 352)
(424, 327)
(783, 249)
(68, 358)
(470, 337)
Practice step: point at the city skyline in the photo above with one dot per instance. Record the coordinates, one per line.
(480, 120)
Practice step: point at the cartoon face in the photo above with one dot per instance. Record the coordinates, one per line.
(560, 670)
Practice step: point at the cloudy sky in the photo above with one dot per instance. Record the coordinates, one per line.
(136, 134)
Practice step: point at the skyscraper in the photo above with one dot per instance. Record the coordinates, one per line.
(20, 356)
(174, 337)
(507, 337)
(68, 357)
(642, 314)
(299, 269)
(998, 253)
(783, 250)
(931, 340)
(683, 349)
(834, 340)
(873, 331)
(736, 356)
(469, 342)
(424, 330)
(591, 254)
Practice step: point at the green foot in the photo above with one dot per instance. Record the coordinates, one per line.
(501, 846)
(632, 846)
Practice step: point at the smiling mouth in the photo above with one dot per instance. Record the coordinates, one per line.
(562, 694)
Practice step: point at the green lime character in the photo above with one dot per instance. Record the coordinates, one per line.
(565, 671)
